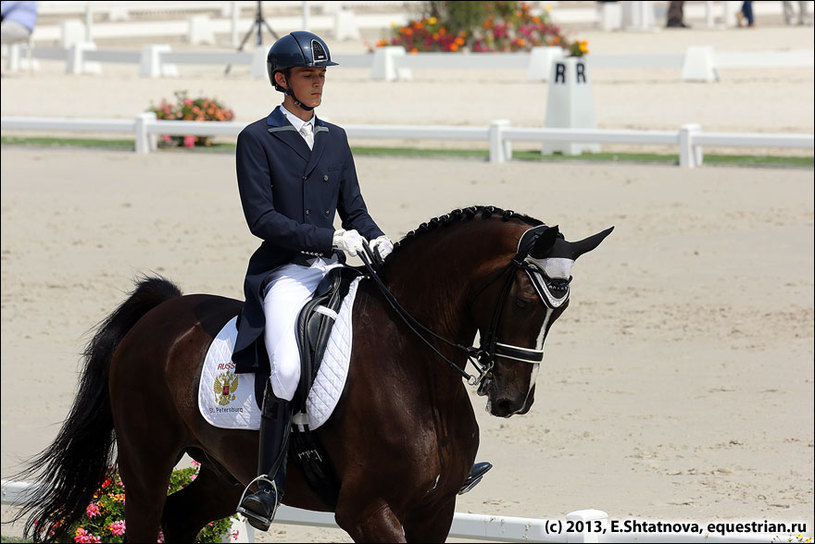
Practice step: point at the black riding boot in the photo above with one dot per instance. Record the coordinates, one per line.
(275, 426)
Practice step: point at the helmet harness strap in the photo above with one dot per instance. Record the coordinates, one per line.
(287, 90)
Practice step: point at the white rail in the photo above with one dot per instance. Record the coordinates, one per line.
(153, 59)
(689, 139)
(586, 526)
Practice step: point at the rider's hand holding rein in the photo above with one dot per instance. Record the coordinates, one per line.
(383, 245)
(348, 241)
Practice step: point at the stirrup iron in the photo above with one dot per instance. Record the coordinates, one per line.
(264, 523)
(475, 477)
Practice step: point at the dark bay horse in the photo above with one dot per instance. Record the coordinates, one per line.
(403, 437)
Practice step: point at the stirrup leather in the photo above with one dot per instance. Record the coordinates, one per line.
(265, 522)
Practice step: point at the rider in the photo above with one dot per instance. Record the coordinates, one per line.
(295, 172)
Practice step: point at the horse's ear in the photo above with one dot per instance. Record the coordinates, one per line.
(587, 244)
(544, 243)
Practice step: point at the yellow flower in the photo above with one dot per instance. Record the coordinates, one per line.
(432, 20)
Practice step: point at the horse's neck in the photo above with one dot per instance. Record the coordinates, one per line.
(433, 277)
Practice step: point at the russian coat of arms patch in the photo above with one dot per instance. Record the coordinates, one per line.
(224, 387)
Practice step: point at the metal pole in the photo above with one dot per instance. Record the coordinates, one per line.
(235, 12)
(88, 21)
(306, 15)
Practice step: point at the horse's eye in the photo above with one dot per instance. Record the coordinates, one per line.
(521, 303)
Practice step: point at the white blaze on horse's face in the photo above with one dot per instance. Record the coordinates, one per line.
(557, 268)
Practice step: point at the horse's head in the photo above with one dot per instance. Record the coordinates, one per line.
(516, 310)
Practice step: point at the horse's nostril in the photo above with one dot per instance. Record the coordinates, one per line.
(503, 406)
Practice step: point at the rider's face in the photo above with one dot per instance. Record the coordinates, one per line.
(307, 84)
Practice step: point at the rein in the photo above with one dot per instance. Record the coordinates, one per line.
(482, 359)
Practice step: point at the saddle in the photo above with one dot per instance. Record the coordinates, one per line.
(314, 325)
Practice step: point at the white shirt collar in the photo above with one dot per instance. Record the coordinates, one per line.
(296, 122)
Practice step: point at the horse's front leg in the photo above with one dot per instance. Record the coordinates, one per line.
(371, 522)
(431, 523)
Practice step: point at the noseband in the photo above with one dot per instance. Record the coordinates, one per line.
(553, 293)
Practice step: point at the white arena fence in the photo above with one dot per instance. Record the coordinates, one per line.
(344, 19)
(589, 526)
(689, 139)
(393, 63)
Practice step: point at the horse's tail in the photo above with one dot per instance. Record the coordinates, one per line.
(74, 466)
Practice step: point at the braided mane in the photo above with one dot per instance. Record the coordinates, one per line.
(464, 214)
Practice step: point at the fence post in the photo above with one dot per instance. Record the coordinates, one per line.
(384, 65)
(699, 64)
(690, 155)
(500, 151)
(13, 60)
(145, 142)
(76, 63)
(151, 65)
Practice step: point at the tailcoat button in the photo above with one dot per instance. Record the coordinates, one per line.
(327, 213)
(305, 178)
(308, 212)
(325, 177)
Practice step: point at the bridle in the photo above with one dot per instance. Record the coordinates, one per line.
(552, 292)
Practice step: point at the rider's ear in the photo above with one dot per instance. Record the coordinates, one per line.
(280, 78)
(543, 245)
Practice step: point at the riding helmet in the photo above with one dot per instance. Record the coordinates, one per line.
(299, 48)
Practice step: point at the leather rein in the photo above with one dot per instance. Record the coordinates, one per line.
(482, 358)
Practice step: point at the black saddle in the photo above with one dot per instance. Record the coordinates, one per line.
(314, 326)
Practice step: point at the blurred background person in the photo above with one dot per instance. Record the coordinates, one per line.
(676, 15)
(803, 12)
(745, 16)
(19, 19)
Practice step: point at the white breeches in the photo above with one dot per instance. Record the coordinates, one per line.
(290, 287)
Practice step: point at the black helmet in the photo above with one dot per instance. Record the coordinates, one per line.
(300, 48)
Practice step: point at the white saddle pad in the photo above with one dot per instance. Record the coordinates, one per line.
(227, 400)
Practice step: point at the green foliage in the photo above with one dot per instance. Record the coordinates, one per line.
(104, 517)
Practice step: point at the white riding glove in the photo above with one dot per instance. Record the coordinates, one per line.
(349, 241)
(383, 245)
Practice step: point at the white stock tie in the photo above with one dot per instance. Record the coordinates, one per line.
(308, 134)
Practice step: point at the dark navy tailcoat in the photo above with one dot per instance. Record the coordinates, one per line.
(290, 195)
